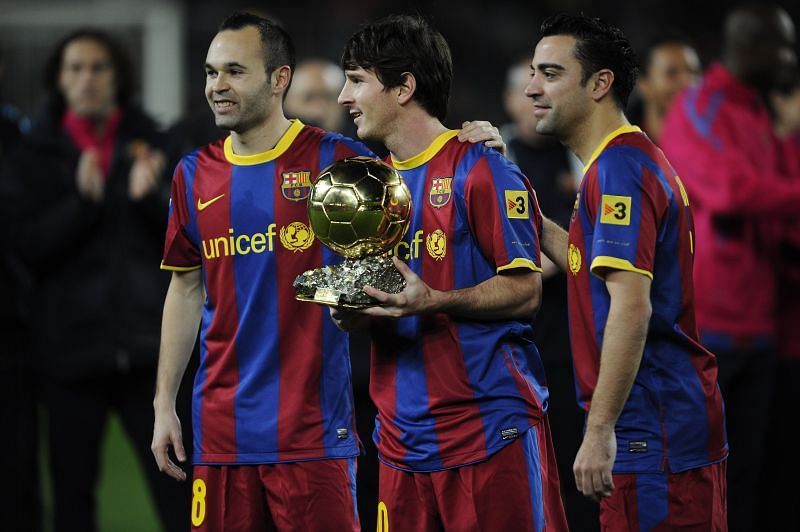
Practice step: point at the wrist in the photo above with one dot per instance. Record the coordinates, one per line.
(162, 403)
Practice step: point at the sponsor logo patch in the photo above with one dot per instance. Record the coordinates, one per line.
(517, 204)
(615, 210)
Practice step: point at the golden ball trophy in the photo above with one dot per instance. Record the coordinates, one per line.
(360, 208)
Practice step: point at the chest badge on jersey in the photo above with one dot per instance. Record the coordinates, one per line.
(574, 259)
(616, 210)
(517, 204)
(296, 186)
(441, 191)
(296, 236)
(436, 243)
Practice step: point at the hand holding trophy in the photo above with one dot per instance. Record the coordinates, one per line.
(359, 208)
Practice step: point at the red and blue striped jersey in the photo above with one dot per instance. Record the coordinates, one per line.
(632, 213)
(273, 384)
(452, 391)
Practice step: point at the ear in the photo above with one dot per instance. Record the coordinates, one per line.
(601, 83)
(406, 89)
(281, 77)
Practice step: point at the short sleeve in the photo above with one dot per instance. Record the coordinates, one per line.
(626, 209)
(180, 253)
(503, 213)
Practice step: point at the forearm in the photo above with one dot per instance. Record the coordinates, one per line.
(512, 295)
(179, 326)
(623, 346)
(554, 241)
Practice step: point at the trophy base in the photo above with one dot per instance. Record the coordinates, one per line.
(342, 285)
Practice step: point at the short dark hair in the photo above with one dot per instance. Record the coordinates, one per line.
(401, 44)
(598, 45)
(670, 37)
(276, 43)
(123, 73)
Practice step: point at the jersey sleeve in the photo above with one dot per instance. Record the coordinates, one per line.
(180, 253)
(503, 213)
(626, 215)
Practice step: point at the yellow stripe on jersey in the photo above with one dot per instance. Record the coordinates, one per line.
(616, 264)
(266, 156)
(426, 155)
(179, 268)
(520, 263)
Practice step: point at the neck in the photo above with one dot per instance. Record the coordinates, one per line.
(414, 131)
(261, 138)
(653, 120)
(591, 132)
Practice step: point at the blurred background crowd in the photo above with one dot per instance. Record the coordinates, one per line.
(83, 210)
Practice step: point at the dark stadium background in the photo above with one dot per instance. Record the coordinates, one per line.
(485, 37)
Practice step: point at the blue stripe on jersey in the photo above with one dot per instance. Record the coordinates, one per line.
(682, 374)
(507, 176)
(471, 267)
(336, 401)
(257, 345)
(467, 254)
(411, 383)
(533, 466)
(189, 166)
(335, 405)
(608, 179)
(327, 149)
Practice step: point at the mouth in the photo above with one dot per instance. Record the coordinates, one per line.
(223, 106)
(539, 110)
(355, 115)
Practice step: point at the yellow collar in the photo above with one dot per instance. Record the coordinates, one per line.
(617, 132)
(426, 155)
(265, 156)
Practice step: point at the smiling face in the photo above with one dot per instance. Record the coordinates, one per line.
(372, 108)
(560, 100)
(237, 86)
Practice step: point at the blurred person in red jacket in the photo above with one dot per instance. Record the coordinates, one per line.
(720, 138)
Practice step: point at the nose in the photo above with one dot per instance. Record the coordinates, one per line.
(220, 83)
(533, 88)
(344, 96)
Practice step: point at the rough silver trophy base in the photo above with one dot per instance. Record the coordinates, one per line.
(342, 285)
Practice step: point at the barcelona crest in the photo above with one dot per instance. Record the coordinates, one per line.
(296, 186)
(441, 191)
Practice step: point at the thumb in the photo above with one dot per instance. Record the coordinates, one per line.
(177, 444)
(407, 273)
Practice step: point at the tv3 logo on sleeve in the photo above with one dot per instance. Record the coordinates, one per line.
(615, 210)
(517, 204)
